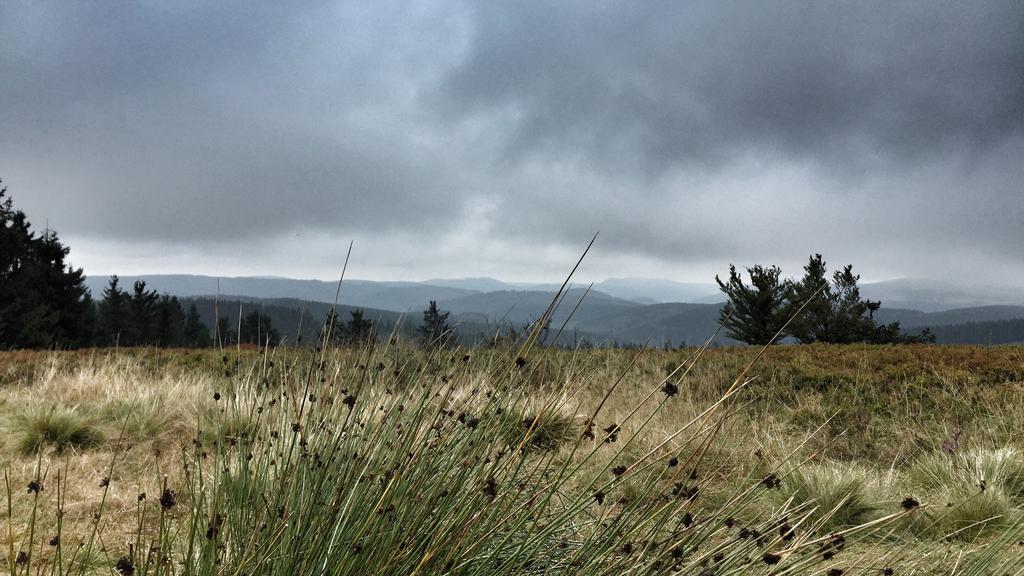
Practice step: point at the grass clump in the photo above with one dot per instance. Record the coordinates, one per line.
(145, 418)
(833, 496)
(55, 427)
(546, 430)
(969, 516)
(977, 491)
(229, 426)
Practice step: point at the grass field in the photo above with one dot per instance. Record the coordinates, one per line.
(391, 460)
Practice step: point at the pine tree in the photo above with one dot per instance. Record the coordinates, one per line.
(258, 329)
(358, 329)
(816, 322)
(114, 316)
(853, 315)
(170, 322)
(755, 314)
(43, 299)
(334, 328)
(224, 335)
(143, 305)
(435, 330)
(835, 312)
(196, 334)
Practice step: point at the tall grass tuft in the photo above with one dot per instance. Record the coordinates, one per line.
(54, 427)
(543, 430)
(834, 496)
(976, 490)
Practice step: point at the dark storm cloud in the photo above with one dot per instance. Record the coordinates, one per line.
(173, 120)
(659, 84)
(889, 134)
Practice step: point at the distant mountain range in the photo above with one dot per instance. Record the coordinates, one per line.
(933, 296)
(617, 310)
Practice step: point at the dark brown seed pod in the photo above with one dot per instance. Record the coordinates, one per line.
(124, 566)
(168, 499)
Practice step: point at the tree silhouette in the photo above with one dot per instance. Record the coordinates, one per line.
(114, 315)
(195, 333)
(434, 331)
(43, 299)
(170, 322)
(143, 306)
(257, 329)
(756, 313)
(357, 330)
(835, 311)
(224, 334)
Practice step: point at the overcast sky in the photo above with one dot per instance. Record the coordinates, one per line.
(458, 139)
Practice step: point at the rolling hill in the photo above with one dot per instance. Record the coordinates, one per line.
(615, 311)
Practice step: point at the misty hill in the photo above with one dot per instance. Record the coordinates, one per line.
(916, 318)
(981, 333)
(395, 296)
(603, 320)
(658, 324)
(657, 290)
(300, 321)
(487, 284)
(630, 316)
(641, 290)
(292, 318)
(520, 307)
(933, 296)
(910, 294)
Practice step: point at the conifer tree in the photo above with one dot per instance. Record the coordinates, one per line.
(835, 311)
(196, 334)
(224, 334)
(358, 329)
(258, 329)
(143, 306)
(756, 313)
(434, 331)
(114, 316)
(170, 322)
(333, 328)
(43, 299)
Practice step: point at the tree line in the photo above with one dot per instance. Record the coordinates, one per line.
(812, 309)
(44, 303)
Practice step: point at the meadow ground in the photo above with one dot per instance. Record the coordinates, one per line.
(392, 460)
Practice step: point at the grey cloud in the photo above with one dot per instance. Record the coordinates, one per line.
(652, 85)
(498, 137)
(170, 121)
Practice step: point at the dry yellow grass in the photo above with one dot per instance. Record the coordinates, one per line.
(870, 412)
